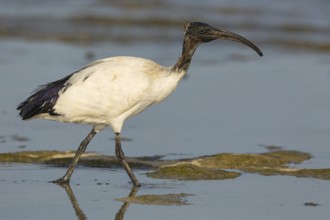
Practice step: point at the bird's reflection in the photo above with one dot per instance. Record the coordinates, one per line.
(79, 212)
(121, 212)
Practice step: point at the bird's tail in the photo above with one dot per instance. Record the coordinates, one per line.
(42, 100)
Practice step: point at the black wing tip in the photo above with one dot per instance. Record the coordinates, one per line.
(43, 99)
(24, 112)
(20, 108)
(30, 108)
(36, 104)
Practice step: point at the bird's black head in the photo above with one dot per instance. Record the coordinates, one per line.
(196, 33)
(203, 33)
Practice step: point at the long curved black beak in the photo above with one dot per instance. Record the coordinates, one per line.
(227, 35)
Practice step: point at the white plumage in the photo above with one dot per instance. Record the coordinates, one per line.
(108, 91)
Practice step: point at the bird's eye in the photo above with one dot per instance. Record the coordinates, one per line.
(202, 31)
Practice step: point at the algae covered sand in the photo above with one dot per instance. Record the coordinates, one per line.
(270, 163)
(165, 199)
(213, 167)
(192, 172)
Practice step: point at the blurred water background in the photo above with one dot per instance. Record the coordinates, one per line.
(231, 101)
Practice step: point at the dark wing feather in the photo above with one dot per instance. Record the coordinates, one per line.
(43, 99)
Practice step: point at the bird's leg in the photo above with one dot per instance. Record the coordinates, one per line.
(80, 150)
(121, 157)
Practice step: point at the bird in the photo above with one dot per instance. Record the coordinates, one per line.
(108, 91)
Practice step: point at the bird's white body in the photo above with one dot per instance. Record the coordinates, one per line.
(108, 91)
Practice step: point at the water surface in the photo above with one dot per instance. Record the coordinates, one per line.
(231, 101)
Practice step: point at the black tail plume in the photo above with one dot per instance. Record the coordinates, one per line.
(42, 100)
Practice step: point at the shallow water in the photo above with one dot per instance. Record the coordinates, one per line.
(29, 196)
(231, 101)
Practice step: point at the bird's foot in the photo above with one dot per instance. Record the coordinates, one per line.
(61, 181)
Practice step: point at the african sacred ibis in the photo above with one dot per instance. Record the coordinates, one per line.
(108, 91)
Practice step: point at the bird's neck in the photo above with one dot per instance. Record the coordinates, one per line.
(189, 47)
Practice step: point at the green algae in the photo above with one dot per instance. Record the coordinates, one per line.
(63, 158)
(166, 199)
(242, 161)
(32, 156)
(323, 174)
(192, 172)
(101, 161)
(268, 164)
(275, 162)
